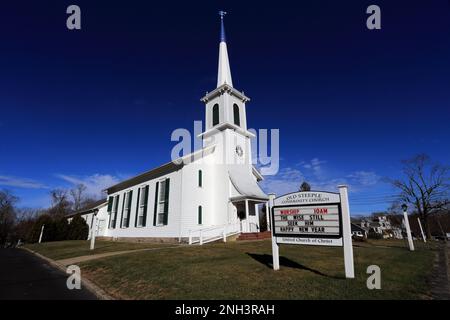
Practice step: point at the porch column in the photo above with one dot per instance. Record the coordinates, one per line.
(246, 215)
(267, 216)
(256, 208)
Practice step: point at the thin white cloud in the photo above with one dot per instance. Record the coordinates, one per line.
(94, 183)
(25, 183)
(289, 179)
(364, 178)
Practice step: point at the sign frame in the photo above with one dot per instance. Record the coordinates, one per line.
(344, 238)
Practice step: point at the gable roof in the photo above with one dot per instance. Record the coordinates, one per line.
(89, 208)
(161, 170)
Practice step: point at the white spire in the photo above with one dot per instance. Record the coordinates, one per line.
(224, 73)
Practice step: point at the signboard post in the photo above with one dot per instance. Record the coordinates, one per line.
(312, 218)
(275, 249)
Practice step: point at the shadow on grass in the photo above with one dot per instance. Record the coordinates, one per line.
(267, 260)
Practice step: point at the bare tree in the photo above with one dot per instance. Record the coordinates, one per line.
(425, 186)
(60, 202)
(7, 214)
(78, 198)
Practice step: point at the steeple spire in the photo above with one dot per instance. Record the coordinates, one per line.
(224, 73)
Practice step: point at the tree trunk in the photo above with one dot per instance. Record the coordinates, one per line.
(426, 227)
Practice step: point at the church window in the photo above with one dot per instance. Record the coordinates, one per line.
(237, 119)
(162, 203)
(200, 178)
(215, 112)
(113, 216)
(200, 215)
(142, 206)
(126, 209)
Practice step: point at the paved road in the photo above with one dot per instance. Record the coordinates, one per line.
(25, 276)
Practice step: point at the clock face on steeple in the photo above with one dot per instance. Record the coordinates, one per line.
(239, 151)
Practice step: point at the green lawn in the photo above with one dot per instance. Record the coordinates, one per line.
(68, 249)
(239, 270)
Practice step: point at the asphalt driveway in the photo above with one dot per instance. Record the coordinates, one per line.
(23, 276)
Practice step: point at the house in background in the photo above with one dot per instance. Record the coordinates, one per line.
(96, 210)
(381, 226)
(358, 231)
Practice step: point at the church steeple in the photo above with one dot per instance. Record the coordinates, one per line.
(224, 72)
(225, 106)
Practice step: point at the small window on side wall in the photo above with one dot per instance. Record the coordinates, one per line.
(215, 114)
(200, 215)
(236, 114)
(200, 178)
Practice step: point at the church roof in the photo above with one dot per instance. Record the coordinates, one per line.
(161, 170)
(245, 183)
(89, 208)
(224, 72)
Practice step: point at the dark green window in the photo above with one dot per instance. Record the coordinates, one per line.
(161, 212)
(200, 178)
(126, 210)
(113, 216)
(200, 218)
(237, 118)
(215, 112)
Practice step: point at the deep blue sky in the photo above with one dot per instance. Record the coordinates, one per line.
(99, 105)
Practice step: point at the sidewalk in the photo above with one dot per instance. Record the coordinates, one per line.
(440, 281)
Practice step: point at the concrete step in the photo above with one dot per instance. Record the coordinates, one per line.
(254, 235)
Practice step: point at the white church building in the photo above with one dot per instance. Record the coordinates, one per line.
(210, 194)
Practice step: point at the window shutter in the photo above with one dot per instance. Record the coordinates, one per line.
(110, 204)
(123, 208)
(166, 203)
(115, 213)
(137, 208)
(145, 195)
(130, 201)
(156, 204)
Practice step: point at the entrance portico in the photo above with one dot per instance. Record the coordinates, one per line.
(247, 210)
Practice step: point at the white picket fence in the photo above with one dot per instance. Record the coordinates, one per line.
(214, 233)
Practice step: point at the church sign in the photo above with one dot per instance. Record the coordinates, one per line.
(311, 218)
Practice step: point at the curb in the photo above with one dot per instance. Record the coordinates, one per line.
(99, 292)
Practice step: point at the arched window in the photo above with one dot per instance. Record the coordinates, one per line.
(237, 119)
(200, 178)
(200, 218)
(215, 112)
